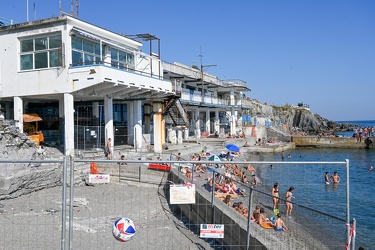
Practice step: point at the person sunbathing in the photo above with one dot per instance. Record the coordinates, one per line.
(263, 221)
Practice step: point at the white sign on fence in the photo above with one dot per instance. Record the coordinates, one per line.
(182, 194)
(212, 231)
(99, 178)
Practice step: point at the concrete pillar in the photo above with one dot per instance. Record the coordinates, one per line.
(130, 108)
(18, 112)
(108, 120)
(186, 133)
(232, 102)
(217, 121)
(163, 130)
(62, 123)
(179, 136)
(233, 123)
(208, 127)
(147, 111)
(158, 115)
(197, 125)
(138, 125)
(96, 112)
(69, 124)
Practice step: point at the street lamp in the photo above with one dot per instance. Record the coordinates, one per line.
(202, 80)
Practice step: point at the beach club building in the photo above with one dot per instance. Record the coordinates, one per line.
(89, 84)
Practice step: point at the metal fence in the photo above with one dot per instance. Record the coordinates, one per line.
(55, 206)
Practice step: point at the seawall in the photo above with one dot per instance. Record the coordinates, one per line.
(333, 142)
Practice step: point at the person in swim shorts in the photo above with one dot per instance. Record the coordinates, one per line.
(279, 224)
(326, 178)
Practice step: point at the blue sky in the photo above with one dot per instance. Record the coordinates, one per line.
(319, 52)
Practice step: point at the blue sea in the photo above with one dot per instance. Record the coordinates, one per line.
(313, 192)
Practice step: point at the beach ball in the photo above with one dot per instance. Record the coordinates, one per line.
(123, 229)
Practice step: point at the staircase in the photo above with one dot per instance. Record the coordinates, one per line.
(174, 113)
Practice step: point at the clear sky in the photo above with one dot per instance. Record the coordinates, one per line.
(319, 52)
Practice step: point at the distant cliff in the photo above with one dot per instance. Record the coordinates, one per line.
(297, 118)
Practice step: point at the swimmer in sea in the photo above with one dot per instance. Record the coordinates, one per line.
(371, 168)
(335, 177)
(326, 178)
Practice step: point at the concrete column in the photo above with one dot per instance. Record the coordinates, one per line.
(186, 133)
(108, 120)
(95, 112)
(130, 107)
(163, 130)
(69, 124)
(197, 125)
(138, 125)
(62, 123)
(179, 136)
(147, 110)
(232, 102)
(233, 123)
(208, 125)
(217, 121)
(158, 143)
(18, 112)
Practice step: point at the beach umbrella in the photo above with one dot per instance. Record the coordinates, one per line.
(233, 148)
(214, 158)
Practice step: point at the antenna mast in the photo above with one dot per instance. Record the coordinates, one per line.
(77, 7)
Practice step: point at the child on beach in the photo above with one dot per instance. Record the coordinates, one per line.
(279, 224)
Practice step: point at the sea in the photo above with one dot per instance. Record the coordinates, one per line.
(311, 190)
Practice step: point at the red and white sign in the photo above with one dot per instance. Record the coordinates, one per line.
(212, 231)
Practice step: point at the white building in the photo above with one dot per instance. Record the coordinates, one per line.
(90, 84)
(62, 65)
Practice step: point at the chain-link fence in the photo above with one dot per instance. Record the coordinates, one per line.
(55, 204)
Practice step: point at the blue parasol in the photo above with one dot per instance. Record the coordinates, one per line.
(233, 148)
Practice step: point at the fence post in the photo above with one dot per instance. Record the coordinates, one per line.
(249, 219)
(347, 202)
(63, 208)
(354, 225)
(71, 201)
(213, 198)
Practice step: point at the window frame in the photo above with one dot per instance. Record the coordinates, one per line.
(36, 53)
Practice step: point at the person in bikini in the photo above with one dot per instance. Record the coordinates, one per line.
(326, 178)
(275, 192)
(289, 205)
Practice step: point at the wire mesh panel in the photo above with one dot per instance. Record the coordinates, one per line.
(31, 205)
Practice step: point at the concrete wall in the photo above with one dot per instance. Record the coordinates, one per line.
(235, 234)
(330, 142)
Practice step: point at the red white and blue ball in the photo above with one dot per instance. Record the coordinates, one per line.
(123, 229)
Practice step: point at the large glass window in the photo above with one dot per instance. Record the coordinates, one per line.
(41, 52)
(121, 59)
(84, 51)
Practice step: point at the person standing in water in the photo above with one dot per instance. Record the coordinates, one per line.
(335, 177)
(326, 178)
(289, 205)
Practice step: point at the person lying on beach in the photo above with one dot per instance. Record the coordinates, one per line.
(279, 224)
(246, 145)
(250, 168)
(237, 171)
(236, 190)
